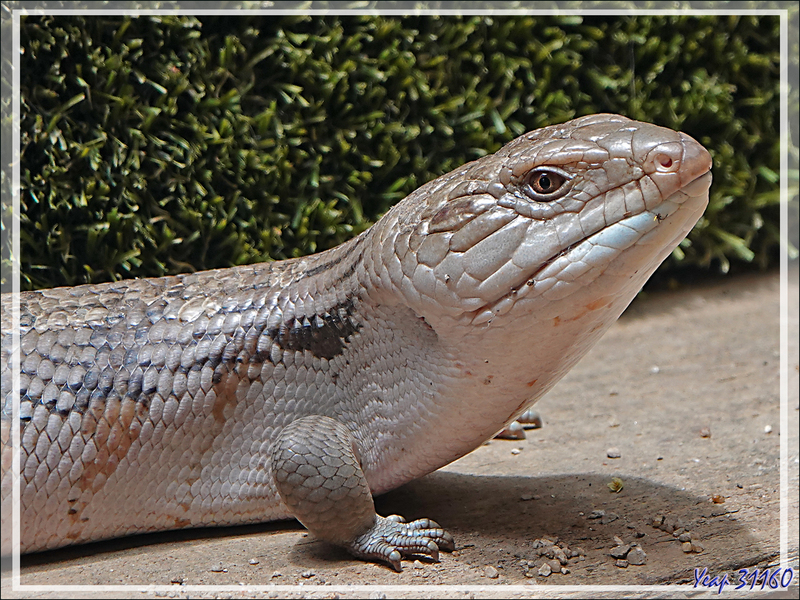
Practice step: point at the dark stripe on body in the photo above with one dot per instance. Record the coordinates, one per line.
(324, 335)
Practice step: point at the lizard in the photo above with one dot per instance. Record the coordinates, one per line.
(302, 388)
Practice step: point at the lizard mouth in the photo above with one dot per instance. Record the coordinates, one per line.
(698, 186)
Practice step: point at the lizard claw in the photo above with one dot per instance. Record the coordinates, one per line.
(392, 538)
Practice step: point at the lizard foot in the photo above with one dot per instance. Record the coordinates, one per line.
(515, 430)
(392, 538)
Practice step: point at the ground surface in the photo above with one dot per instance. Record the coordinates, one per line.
(685, 387)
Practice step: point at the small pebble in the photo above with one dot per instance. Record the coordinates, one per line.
(620, 551)
(655, 370)
(555, 566)
(218, 568)
(705, 432)
(767, 428)
(490, 572)
(596, 514)
(608, 518)
(377, 596)
(253, 561)
(697, 547)
(657, 520)
(613, 453)
(307, 574)
(718, 499)
(637, 556)
(669, 525)
(545, 551)
(685, 537)
(686, 547)
(622, 563)
(564, 571)
(179, 579)
(516, 451)
(545, 570)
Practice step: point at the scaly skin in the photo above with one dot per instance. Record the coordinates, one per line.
(302, 387)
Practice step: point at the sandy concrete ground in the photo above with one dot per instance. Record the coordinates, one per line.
(685, 387)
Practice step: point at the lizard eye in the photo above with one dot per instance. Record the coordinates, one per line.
(544, 185)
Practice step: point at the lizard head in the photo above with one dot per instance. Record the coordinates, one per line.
(595, 203)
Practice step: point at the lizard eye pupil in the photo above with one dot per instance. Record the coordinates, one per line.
(546, 184)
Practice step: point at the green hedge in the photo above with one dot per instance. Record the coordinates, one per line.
(161, 144)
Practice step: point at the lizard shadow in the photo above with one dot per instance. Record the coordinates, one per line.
(143, 540)
(494, 520)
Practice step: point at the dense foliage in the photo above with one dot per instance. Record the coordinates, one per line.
(161, 144)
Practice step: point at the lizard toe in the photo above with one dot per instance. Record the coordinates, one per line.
(391, 539)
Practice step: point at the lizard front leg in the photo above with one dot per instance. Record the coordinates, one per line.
(317, 471)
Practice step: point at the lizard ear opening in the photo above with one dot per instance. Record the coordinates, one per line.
(458, 212)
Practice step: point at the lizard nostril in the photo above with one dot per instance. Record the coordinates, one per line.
(666, 157)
